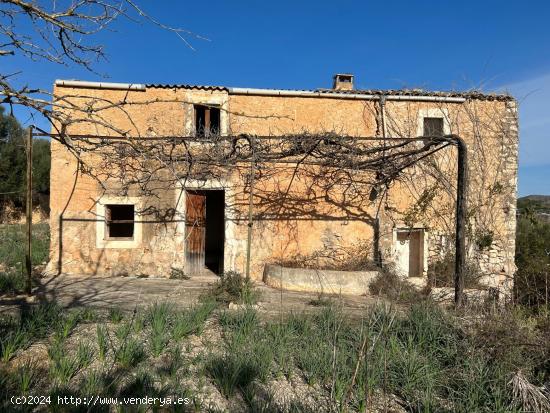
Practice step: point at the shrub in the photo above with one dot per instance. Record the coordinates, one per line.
(178, 274)
(233, 287)
(531, 281)
(441, 273)
(484, 240)
(390, 285)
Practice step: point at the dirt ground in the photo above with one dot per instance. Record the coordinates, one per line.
(129, 292)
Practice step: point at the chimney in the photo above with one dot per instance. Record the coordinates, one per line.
(342, 81)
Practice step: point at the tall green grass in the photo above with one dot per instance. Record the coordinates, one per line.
(192, 320)
(424, 357)
(12, 254)
(34, 323)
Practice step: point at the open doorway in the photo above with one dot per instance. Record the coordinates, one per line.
(409, 252)
(204, 231)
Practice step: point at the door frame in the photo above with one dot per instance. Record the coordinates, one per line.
(231, 246)
(425, 251)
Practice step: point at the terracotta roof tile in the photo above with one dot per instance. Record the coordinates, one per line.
(472, 94)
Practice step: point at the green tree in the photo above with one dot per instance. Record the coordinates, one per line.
(41, 166)
(13, 162)
(12, 157)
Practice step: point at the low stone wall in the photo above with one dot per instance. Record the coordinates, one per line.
(471, 295)
(321, 281)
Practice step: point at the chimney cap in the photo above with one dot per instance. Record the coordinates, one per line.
(342, 75)
(342, 81)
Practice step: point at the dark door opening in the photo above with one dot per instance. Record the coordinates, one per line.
(204, 231)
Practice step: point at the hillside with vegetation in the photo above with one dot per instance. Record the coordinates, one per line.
(535, 205)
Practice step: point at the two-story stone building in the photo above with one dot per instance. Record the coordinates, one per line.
(101, 220)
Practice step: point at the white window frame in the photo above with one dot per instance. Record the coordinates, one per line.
(216, 100)
(101, 240)
(441, 113)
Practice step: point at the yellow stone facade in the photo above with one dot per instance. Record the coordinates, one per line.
(297, 217)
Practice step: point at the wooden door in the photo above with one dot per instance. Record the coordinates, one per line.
(195, 232)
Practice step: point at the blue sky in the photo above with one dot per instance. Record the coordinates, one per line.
(493, 45)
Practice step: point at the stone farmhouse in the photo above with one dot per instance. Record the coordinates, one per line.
(104, 221)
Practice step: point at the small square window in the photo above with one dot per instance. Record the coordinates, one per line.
(207, 120)
(119, 221)
(433, 127)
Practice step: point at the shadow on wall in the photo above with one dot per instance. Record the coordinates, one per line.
(282, 196)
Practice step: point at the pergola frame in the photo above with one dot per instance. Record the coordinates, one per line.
(436, 143)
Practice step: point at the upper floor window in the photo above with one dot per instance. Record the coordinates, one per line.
(433, 127)
(207, 120)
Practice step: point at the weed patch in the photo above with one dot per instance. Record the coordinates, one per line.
(233, 287)
(192, 321)
(34, 323)
(12, 254)
(129, 353)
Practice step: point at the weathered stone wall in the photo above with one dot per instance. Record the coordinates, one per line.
(309, 218)
(77, 188)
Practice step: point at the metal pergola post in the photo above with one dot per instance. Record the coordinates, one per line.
(28, 214)
(461, 219)
(250, 208)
